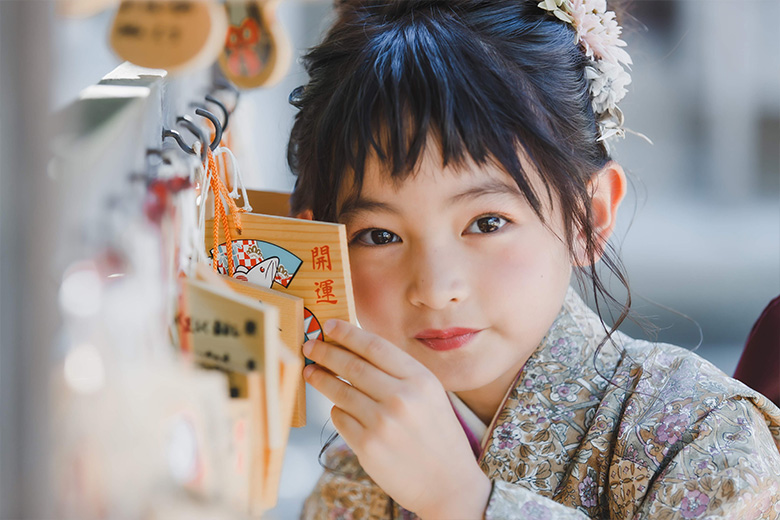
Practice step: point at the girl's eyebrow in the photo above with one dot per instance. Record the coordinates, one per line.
(360, 204)
(492, 187)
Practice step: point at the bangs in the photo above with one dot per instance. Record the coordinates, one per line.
(392, 76)
(425, 78)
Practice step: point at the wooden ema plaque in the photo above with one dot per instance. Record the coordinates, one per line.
(243, 433)
(82, 8)
(236, 334)
(255, 455)
(257, 52)
(257, 458)
(303, 258)
(228, 331)
(165, 34)
(267, 202)
(290, 330)
(289, 376)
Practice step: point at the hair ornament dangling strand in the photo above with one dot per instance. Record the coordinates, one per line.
(598, 33)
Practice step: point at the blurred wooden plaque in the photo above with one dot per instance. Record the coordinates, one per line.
(290, 329)
(236, 334)
(257, 51)
(268, 202)
(227, 330)
(172, 35)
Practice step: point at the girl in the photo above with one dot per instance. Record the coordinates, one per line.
(462, 143)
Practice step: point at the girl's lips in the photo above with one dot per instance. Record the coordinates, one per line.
(448, 339)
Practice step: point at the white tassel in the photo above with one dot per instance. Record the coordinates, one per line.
(239, 181)
(231, 172)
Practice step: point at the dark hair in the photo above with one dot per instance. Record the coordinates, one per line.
(484, 78)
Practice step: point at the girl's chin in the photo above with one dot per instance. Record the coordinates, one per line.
(464, 380)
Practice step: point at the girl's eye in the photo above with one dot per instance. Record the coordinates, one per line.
(487, 224)
(377, 237)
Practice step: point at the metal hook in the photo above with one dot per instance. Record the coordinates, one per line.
(222, 107)
(190, 125)
(152, 152)
(217, 126)
(224, 84)
(176, 135)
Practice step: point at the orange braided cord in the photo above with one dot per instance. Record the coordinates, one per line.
(217, 202)
(235, 211)
(217, 189)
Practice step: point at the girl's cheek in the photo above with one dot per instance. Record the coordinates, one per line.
(532, 260)
(511, 261)
(373, 288)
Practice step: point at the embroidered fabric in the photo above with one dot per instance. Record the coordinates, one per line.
(650, 431)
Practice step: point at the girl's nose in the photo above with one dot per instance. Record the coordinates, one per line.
(438, 278)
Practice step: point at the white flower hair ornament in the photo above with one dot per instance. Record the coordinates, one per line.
(599, 35)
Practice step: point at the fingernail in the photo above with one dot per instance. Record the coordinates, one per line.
(308, 347)
(329, 326)
(307, 371)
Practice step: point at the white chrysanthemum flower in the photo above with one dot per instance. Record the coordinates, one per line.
(607, 83)
(599, 6)
(598, 33)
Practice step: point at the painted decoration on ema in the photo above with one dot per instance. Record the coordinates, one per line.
(248, 48)
(259, 262)
(311, 325)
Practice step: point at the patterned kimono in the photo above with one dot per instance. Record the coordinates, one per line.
(646, 431)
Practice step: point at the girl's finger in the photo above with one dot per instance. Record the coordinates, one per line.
(364, 376)
(379, 352)
(340, 393)
(347, 426)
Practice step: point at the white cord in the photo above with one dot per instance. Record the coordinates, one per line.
(204, 192)
(237, 176)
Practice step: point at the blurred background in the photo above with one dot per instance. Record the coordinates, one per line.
(699, 233)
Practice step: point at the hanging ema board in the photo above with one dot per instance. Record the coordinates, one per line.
(290, 329)
(257, 51)
(234, 333)
(303, 258)
(257, 459)
(227, 330)
(267, 202)
(176, 36)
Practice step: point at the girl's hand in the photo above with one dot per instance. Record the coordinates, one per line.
(396, 417)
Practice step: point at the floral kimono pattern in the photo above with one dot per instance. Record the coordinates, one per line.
(645, 431)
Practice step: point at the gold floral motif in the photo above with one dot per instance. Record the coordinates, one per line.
(671, 438)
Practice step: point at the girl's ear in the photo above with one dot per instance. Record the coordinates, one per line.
(607, 188)
(306, 214)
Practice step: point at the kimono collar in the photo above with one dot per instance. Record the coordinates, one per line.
(545, 408)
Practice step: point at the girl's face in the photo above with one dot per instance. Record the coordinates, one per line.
(455, 268)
